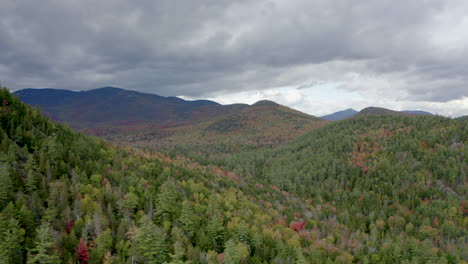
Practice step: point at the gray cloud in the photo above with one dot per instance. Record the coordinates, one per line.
(415, 50)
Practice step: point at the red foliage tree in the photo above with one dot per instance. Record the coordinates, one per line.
(298, 226)
(69, 226)
(82, 253)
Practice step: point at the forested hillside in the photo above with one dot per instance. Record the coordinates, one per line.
(264, 124)
(108, 106)
(397, 184)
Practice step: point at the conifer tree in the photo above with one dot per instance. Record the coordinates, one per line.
(186, 218)
(6, 184)
(12, 237)
(167, 200)
(44, 251)
(149, 242)
(231, 253)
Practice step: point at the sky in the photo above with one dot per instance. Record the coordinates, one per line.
(317, 56)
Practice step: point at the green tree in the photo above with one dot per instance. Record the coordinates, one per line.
(12, 237)
(234, 252)
(187, 218)
(167, 200)
(149, 242)
(6, 184)
(44, 251)
(103, 244)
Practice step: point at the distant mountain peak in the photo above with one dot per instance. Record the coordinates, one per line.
(383, 111)
(418, 112)
(265, 103)
(106, 88)
(340, 115)
(377, 111)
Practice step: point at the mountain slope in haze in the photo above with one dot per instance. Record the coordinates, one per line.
(418, 112)
(340, 115)
(372, 110)
(108, 106)
(69, 198)
(171, 123)
(396, 183)
(239, 128)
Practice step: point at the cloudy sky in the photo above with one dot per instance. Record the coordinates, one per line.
(317, 56)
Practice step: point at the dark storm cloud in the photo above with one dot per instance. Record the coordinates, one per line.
(194, 48)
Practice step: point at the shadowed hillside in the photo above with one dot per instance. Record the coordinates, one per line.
(108, 106)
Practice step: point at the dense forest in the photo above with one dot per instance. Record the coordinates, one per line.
(397, 183)
(370, 189)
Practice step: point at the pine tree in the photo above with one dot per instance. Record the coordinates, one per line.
(149, 242)
(12, 236)
(31, 178)
(186, 218)
(231, 253)
(300, 259)
(6, 184)
(215, 230)
(167, 200)
(103, 244)
(44, 252)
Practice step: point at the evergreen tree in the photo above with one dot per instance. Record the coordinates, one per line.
(149, 242)
(6, 184)
(44, 251)
(12, 237)
(103, 244)
(187, 218)
(231, 253)
(167, 200)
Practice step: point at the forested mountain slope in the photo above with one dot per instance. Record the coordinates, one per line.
(169, 123)
(108, 106)
(396, 182)
(246, 127)
(340, 115)
(372, 110)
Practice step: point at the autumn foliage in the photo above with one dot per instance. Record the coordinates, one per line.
(297, 226)
(82, 253)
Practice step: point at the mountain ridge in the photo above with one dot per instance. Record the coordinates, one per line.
(340, 115)
(82, 109)
(145, 119)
